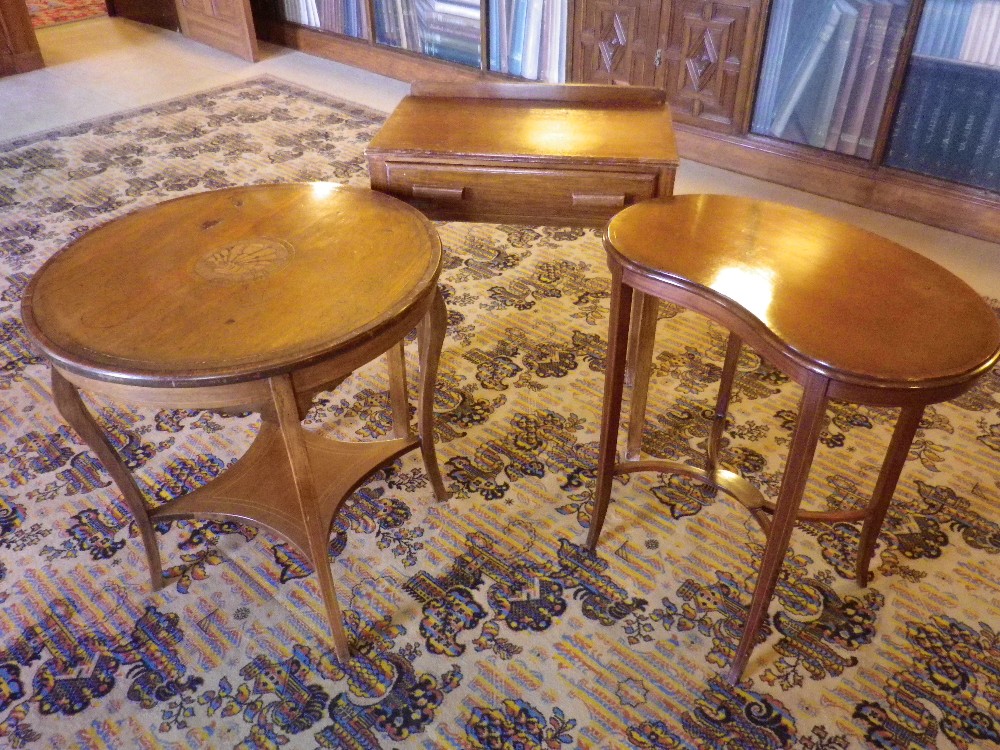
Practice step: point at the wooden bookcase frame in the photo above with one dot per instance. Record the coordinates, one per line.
(963, 209)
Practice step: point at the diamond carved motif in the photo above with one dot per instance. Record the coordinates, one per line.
(701, 65)
(612, 42)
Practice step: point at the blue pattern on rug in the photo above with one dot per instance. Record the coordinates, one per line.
(482, 622)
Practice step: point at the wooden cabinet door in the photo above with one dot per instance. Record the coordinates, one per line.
(614, 41)
(153, 12)
(223, 24)
(19, 50)
(710, 49)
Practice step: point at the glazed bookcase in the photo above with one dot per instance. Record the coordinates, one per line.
(889, 104)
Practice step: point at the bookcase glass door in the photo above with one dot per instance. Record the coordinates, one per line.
(528, 38)
(826, 72)
(947, 124)
(346, 17)
(446, 29)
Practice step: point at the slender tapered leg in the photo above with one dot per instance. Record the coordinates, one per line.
(895, 457)
(800, 455)
(614, 382)
(430, 339)
(640, 364)
(733, 347)
(399, 403)
(284, 413)
(75, 412)
(633, 339)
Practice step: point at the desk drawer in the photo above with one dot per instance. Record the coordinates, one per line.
(516, 194)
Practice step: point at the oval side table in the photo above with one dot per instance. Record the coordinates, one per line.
(845, 313)
(249, 299)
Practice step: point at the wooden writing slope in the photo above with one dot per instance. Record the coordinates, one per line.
(525, 153)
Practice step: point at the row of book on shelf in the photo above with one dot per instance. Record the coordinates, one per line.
(527, 38)
(948, 123)
(340, 16)
(963, 30)
(826, 72)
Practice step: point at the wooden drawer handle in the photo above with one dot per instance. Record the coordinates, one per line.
(432, 192)
(599, 200)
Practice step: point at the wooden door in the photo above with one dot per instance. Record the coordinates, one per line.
(160, 13)
(614, 41)
(223, 24)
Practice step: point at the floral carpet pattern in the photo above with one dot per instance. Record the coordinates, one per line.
(51, 12)
(481, 622)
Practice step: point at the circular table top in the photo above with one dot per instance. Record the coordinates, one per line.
(232, 285)
(838, 299)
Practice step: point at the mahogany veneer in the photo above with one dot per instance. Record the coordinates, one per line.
(251, 298)
(845, 313)
(525, 153)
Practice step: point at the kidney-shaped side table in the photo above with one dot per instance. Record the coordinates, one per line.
(249, 299)
(843, 312)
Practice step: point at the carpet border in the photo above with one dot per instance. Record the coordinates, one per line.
(74, 128)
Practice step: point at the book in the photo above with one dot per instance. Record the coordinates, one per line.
(532, 40)
(494, 39)
(975, 38)
(829, 82)
(548, 8)
(556, 71)
(403, 21)
(928, 28)
(790, 94)
(911, 119)
(864, 81)
(991, 48)
(563, 10)
(883, 78)
(957, 29)
(774, 52)
(985, 170)
(976, 127)
(847, 90)
(519, 13)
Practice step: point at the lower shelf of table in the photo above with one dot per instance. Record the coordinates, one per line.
(260, 489)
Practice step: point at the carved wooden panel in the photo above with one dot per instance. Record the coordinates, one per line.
(614, 41)
(708, 51)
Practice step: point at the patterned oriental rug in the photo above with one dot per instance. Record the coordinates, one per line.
(481, 622)
(52, 12)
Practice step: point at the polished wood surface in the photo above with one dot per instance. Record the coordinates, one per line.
(525, 152)
(209, 288)
(831, 297)
(843, 312)
(251, 298)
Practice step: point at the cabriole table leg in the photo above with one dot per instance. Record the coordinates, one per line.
(430, 339)
(77, 415)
